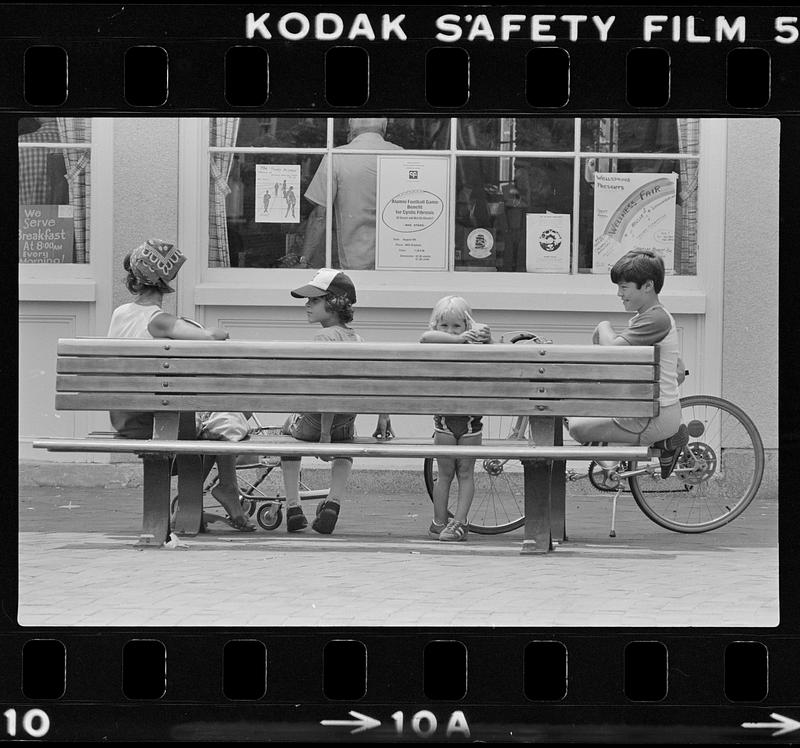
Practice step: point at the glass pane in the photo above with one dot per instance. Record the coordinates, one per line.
(680, 258)
(496, 194)
(629, 135)
(54, 210)
(50, 129)
(262, 221)
(516, 134)
(277, 132)
(407, 132)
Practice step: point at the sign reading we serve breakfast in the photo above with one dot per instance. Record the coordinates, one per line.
(411, 213)
(633, 211)
(45, 233)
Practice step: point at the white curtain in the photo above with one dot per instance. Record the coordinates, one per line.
(223, 134)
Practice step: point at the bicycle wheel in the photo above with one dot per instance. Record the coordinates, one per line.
(499, 503)
(717, 475)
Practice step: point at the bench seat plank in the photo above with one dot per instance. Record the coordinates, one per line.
(363, 447)
(256, 349)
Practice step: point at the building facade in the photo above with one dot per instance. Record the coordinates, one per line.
(504, 211)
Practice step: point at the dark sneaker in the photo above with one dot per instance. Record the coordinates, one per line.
(672, 449)
(295, 519)
(435, 529)
(327, 514)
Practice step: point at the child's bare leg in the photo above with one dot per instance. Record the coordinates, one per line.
(446, 468)
(465, 470)
(291, 481)
(226, 492)
(340, 474)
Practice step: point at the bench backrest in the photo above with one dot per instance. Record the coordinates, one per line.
(279, 377)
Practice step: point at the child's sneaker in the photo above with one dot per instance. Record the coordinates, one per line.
(672, 449)
(295, 519)
(435, 530)
(454, 531)
(327, 514)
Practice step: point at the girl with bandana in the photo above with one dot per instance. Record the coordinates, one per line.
(150, 267)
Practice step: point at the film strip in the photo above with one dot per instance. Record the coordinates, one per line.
(651, 637)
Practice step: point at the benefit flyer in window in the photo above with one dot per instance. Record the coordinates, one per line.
(277, 193)
(633, 211)
(411, 214)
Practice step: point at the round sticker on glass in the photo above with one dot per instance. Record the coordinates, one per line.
(480, 243)
(550, 240)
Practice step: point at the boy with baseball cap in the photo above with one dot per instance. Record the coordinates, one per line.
(330, 295)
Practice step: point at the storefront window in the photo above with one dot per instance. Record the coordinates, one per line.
(54, 189)
(391, 206)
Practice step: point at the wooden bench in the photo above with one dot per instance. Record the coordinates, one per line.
(175, 378)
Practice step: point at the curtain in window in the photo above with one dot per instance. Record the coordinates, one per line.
(223, 135)
(74, 130)
(688, 142)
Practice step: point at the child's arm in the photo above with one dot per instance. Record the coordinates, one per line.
(436, 336)
(166, 325)
(604, 335)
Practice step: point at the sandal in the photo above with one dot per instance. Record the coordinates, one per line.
(239, 522)
(327, 514)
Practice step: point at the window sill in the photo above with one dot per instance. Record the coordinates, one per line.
(558, 293)
(67, 289)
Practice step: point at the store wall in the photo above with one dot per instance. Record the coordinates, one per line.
(750, 310)
(145, 190)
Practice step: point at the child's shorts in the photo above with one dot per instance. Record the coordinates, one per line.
(458, 426)
(307, 427)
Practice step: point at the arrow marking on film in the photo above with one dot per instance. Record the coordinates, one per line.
(784, 724)
(361, 722)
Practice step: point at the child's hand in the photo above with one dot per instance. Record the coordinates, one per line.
(217, 333)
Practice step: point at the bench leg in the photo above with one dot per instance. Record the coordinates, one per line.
(558, 489)
(189, 514)
(156, 498)
(537, 537)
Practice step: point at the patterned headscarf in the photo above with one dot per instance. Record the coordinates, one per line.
(156, 262)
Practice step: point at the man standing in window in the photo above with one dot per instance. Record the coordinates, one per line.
(354, 187)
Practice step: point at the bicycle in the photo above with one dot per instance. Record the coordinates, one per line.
(259, 496)
(716, 478)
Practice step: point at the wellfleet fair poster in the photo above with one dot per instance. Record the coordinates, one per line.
(633, 211)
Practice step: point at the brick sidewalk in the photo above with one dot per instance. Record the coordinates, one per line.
(78, 566)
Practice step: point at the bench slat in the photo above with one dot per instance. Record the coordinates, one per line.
(388, 369)
(354, 404)
(333, 387)
(352, 449)
(357, 351)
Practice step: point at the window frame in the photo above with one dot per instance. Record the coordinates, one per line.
(402, 289)
(78, 281)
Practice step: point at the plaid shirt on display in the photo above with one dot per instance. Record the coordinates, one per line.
(33, 182)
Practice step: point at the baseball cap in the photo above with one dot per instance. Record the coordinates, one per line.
(327, 281)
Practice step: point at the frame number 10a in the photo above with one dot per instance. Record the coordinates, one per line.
(34, 723)
(424, 724)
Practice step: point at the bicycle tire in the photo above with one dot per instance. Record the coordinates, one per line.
(499, 502)
(713, 483)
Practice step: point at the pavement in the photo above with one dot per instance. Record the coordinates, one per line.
(79, 566)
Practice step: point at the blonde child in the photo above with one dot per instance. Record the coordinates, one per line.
(451, 322)
(330, 296)
(149, 269)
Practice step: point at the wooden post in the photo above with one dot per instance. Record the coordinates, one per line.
(537, 537)
(189, 512)
(558, 488)
(155, 492)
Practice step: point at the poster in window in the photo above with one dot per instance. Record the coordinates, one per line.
(547, 242)
(45, 233)
(411, 213)
(633, 211)
(277, 193)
